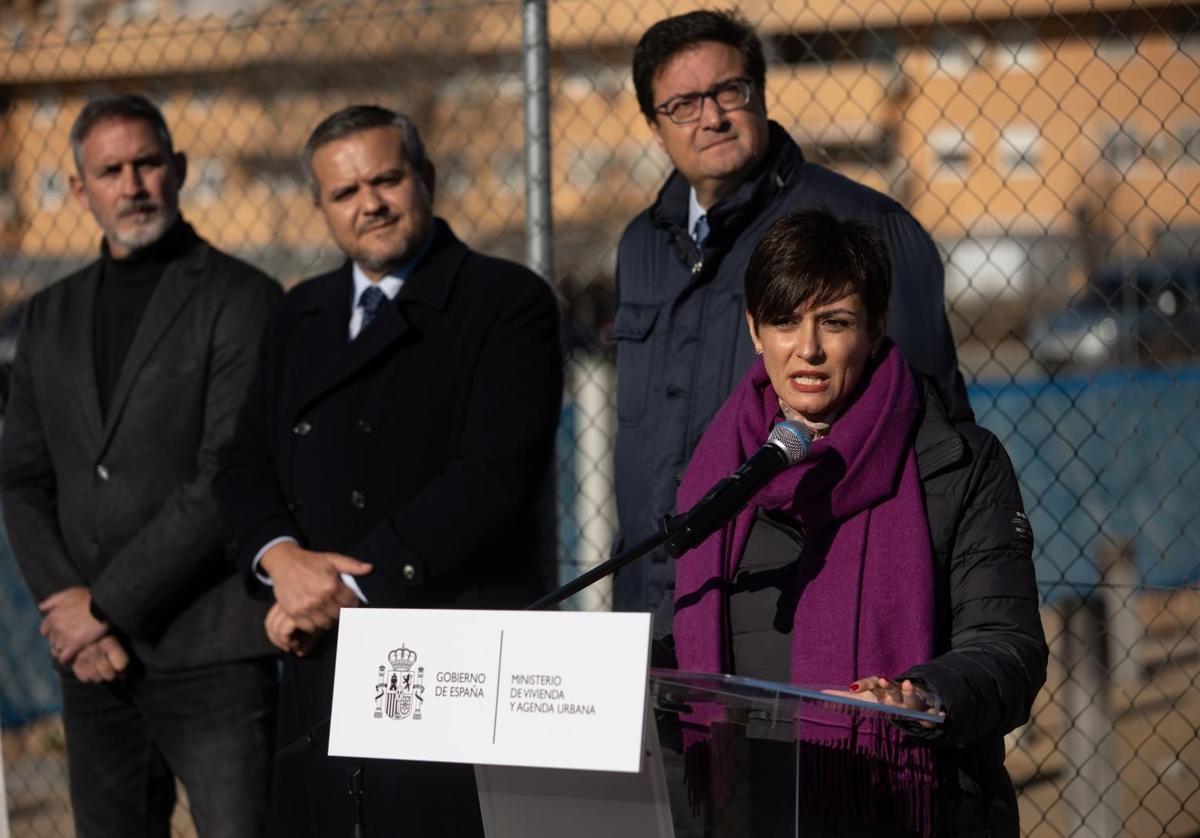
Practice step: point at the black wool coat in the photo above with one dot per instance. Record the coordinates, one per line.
(422, 447)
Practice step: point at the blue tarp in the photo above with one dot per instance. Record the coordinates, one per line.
(1101, 459)
(28, 685)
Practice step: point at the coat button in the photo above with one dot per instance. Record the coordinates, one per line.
(357, 499)
(410, 572)
(103, 473)
(301, 428)
(363, 426)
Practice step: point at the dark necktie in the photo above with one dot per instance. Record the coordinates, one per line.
(371, 301)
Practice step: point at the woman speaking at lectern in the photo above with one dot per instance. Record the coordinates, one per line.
(893, 562)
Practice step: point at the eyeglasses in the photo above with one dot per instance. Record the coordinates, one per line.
(728, 95)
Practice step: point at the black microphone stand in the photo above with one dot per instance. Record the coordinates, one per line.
(356, 773)
(666, 532)
(358, 798)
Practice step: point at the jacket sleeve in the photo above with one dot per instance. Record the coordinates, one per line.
(28, 481)
(163, 562)
(917, 309)
(996, 662)
(507, 441)
(253, 509)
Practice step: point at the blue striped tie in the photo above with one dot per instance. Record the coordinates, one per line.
(371, 301)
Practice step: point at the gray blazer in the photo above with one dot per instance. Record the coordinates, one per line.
(124, 506)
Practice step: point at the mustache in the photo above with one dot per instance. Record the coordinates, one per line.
(138, 206)
(376, 222)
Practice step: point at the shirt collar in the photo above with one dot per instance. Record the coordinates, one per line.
(391, 284)
(694, 210)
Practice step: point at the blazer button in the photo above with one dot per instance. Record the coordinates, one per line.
(410, 572)
(103, 473)
(358, 500)
(363, 426)
(301, 428)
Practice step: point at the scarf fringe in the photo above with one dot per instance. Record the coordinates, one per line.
(892, 785)
(885, 779)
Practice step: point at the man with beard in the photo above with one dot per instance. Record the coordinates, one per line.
(127, 380)
(392, 451)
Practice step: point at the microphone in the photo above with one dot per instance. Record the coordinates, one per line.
(786, 446)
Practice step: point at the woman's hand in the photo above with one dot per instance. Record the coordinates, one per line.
(893, 693)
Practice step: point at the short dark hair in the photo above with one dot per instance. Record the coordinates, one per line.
(811, 257)
(130, 106)
(357, 118)
(669, 37)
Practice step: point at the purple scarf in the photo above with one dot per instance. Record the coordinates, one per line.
(869, 609)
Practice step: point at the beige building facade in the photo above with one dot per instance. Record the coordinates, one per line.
(1035, 141)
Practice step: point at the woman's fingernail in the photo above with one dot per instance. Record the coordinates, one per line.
(855, 687)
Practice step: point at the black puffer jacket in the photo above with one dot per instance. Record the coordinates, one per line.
(991, 649)
(992, 652)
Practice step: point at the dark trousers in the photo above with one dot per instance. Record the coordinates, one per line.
(127, 741)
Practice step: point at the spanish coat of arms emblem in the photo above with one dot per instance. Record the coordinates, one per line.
(400, 688)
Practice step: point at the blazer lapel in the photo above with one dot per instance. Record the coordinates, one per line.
(429, 285)
(317, 351)
(82, 332)
(179, 282)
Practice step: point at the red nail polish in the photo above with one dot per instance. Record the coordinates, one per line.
(854, 688)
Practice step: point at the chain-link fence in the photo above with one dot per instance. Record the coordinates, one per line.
(1052, 150)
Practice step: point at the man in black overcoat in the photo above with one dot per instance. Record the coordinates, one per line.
(391, 452)
(128, 378)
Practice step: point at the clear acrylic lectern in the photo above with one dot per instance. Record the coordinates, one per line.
(754, 765)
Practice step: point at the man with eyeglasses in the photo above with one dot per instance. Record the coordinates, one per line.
(680, 329)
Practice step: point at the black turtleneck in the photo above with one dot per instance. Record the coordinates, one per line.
(126, 286)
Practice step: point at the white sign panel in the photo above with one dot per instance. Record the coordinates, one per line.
(540, 689)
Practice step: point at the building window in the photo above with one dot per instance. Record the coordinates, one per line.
(1122, 148)
(45, 111)
(1020, 150)
(8, 200)
(1116, 48)
(1189, 144)
(454, 175)
(588, 167)
(511, 168)
(955, 51)
(1017, 48)
(647, 165)
(210, 179)
(51, 187)
(952, 156)
(509, 88)
(200, 103)
(132, 10)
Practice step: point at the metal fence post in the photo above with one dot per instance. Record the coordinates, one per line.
(1124, 625)
(539, 238)
(591, 382)
(3, 802)
(1087, 743)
